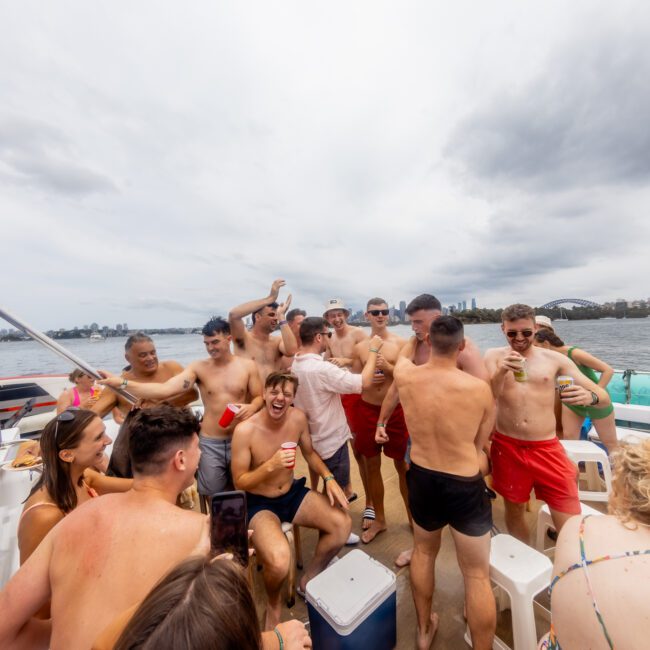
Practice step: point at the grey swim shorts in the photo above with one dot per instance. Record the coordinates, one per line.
(214, 467)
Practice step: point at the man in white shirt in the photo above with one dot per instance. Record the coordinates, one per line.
(319, 396)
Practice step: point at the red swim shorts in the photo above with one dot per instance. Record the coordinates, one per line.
(518, 466)
(365, 426)
(349, 403)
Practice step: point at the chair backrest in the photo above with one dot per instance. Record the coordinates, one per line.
(632, 413)
(9, 555)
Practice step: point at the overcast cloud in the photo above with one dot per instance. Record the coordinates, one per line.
(162, 162)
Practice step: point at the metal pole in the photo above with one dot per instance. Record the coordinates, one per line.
(61, 351)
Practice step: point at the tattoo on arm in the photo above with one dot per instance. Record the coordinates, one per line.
(186, 384)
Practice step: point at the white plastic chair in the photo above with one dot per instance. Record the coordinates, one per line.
(545, 522)
(589, 453)
(522, 572)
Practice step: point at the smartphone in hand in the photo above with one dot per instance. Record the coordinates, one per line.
(229, 526)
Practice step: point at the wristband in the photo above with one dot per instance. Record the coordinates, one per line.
(329, 477)
(381, 424)
(282, 322)
(277, 633)
(125, 383)
(374, 350)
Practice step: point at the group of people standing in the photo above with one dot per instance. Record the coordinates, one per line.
(445, 415)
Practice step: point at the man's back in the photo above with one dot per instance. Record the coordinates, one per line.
(108, 554)
(444, 409)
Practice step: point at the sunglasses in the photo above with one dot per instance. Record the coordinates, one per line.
(65, 416)
(328, 334)
(512, 334)
(377, 312)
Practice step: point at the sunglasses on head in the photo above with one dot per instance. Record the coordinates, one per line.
(377, 312)
(328, 334)
(65, 416)
(512, 334)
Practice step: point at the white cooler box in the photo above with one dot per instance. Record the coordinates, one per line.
(353, 604)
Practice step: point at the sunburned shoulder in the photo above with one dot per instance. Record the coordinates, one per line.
(496, 352)
(358, 334)
(171, 366)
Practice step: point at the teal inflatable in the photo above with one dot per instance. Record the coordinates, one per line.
(630, 387)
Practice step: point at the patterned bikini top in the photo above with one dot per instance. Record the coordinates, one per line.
(552, 642)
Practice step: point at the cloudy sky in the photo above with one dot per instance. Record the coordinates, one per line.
(160, 162)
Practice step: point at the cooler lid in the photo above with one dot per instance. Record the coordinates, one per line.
(349, 590)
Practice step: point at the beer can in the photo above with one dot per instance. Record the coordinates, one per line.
(564, 381)
(521, 375)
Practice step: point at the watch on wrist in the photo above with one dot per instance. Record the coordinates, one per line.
(594, 398)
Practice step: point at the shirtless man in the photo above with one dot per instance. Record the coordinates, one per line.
(450, 415)
(341, 353)
(140, 353)
(98, 561)
(265, 471)
(222, 379)
(525, 450)
(258, 344)
(294, 318)
(366, 416)
(422, 311)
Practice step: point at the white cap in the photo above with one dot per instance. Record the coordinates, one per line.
(335, 303)
(544, 321)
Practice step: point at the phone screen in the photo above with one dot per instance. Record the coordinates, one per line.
(229, 527)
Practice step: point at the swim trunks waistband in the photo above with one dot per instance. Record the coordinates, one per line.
(435, 472)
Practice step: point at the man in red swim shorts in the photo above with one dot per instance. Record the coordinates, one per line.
(525, 451)
(366, 416)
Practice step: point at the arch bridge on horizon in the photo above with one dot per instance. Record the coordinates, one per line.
(581, 302)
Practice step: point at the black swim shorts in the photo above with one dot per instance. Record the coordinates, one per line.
(437, 499)
(285, 506)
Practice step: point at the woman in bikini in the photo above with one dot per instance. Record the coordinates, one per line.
(70, 445)
(574, 416)
(601, 585)
(83, 394)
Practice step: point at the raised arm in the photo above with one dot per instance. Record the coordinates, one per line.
(106, 484)
(237, 314)
(106, 403)
(288, 344)
(64, 401)
(178, 384)
(368, 372)
(243, 476)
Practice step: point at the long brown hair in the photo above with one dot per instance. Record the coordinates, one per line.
(199, 605)
(58, 435)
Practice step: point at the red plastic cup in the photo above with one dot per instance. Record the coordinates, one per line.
(228, 415)
(290, 446)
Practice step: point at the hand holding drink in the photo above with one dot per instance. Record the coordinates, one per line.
(228, 415)
(515, 362)
(289, 452)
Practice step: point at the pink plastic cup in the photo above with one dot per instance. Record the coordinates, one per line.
(290, 446)
(228, 415)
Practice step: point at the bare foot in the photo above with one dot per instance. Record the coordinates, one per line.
(375, 528)
(425, 639)
(272, 617)
(404, 558)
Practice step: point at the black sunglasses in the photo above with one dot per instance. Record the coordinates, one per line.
(328, 334)
(65, 416)
(511, 334)
(376, 312)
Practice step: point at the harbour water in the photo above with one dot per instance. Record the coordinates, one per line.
(621, 343)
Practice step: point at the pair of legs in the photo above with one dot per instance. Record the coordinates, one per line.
(473, 555)
(516, 520)
(273, 550)
(376, 487)
(605, 428)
